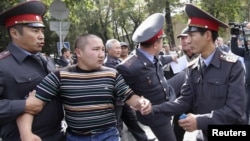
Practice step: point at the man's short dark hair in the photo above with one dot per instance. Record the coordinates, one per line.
(64, 50)
(214, 33)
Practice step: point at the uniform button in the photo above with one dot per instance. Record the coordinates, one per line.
(161, 81)
(164, 90)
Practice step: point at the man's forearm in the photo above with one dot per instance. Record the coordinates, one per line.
(24, 123)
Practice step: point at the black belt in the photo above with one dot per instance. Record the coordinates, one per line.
(79, 133)
(88, 133)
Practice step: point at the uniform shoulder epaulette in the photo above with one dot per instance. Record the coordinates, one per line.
(229, 57)
(4, 54)
(130, 60)
(191, 63)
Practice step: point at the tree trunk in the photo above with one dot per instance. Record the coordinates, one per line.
(169, 28)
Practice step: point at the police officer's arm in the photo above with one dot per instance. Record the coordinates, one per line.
(9, 110)
(165, 59)
(34, 103)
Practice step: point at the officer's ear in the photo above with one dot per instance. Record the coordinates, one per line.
(157, 43)
(208, 34)
(13, 32)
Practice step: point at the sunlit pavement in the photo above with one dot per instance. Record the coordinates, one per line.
(127, 136)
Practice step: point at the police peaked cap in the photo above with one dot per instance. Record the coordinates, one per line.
(201, 19)
(150, 29)
(29, 13)
(184, 32)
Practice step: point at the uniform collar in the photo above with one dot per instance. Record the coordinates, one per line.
(208, 60)
(216, 58)
(17, 52)
(147, 55)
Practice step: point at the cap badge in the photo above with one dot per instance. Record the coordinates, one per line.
(37, 18)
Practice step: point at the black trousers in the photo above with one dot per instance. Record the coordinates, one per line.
(164, 132)
(129, 118)
(179, 131)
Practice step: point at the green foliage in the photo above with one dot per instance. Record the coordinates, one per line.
(4, 39)
(119, 18)
(226, 11)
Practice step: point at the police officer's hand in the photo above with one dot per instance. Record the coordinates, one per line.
(143, 105)
(189, 123)
(174, 58)
(146, 106)
(33, 105)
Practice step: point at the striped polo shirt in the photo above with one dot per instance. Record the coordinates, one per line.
(87, 96)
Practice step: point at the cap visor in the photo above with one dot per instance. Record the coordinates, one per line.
(182, 35)
(192, 29)
(35, 25)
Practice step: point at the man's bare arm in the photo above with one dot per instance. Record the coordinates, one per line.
(24, 122)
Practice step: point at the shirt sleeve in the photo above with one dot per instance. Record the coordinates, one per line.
(49, 87)
(122, 90)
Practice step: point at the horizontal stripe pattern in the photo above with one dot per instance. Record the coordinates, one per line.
(87, 97)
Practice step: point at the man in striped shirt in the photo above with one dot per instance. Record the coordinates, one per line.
(87, 91)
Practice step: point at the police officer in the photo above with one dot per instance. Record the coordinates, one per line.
(215, 92)
(123, 111)
(21, 68)
(143, 72)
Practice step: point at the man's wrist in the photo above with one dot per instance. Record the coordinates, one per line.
(137, 103)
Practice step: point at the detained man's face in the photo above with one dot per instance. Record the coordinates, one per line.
(91, 56)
